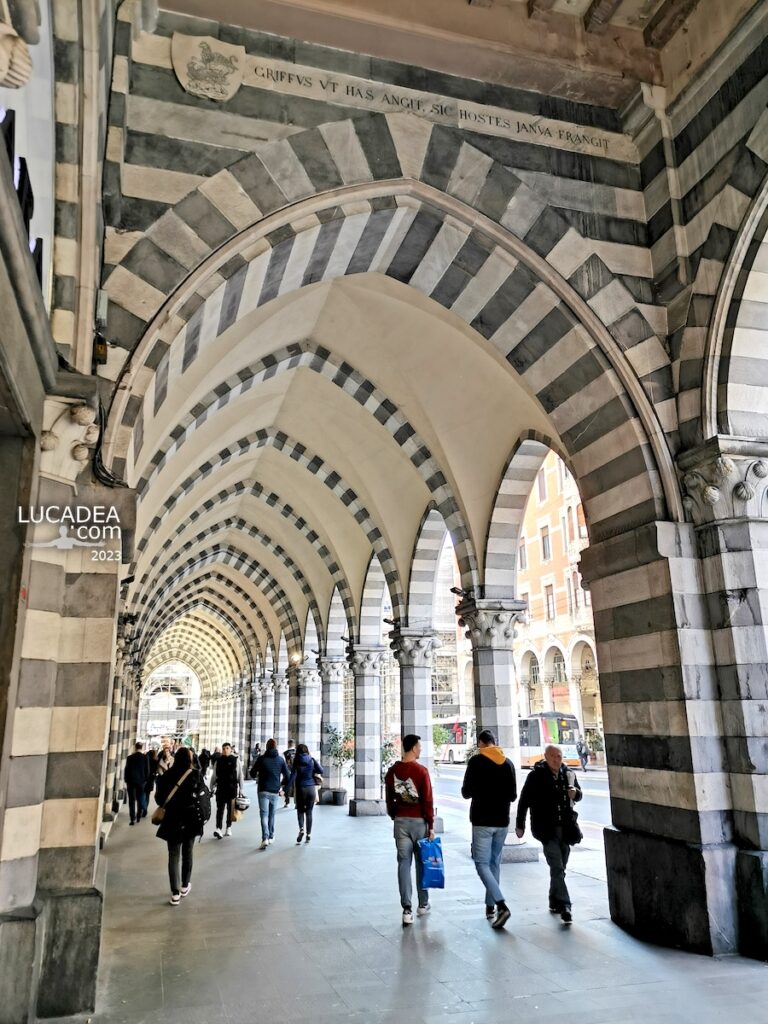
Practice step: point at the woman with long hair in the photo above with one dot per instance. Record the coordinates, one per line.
(176, 792)
(305, 774)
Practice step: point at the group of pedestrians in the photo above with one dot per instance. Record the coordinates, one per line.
(549, 794)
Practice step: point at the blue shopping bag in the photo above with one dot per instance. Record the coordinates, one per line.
(432, 868)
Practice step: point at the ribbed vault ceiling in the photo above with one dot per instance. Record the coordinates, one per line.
(279, 496)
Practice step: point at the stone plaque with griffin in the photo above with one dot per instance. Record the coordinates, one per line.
(207, 67)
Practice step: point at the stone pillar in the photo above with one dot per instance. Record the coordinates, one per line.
(257, 698)
(671, 864)
(574, 699)
(267, 688)
(366, 665)
(547, 697)
(490, 626)
(413, 651)
(727, 483)
(292, 675)
(281, 710)
(309, 694)
(332, 673)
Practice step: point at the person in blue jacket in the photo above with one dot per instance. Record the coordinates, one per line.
(270, 772)
(306, 775)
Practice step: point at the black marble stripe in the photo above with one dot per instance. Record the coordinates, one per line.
(233, 292)
(370, 240)
(505, 301)
(541, 338)
(205, 220)
(321, 254)
(376, 141)
(273, 278)
(154, 266)
(311, 149)
(419, 237)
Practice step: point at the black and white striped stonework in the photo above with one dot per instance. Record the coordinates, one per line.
(476, 278)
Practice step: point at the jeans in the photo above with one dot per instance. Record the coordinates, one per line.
(180, 864)
(267, 805)
(407, 833)
(487, 845)
(137, 802)
(223, 802)
(305, 802)
(557, 852)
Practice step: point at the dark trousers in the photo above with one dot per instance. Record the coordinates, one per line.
(557, 852)
(180, 864)
(137, 802)
(224, 802)
(305, 802)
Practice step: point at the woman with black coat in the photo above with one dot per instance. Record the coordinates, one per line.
(181, 824)
(304, 774)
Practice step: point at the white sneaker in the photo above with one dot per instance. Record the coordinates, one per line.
(185, 889)
(264, 844)
(217, 833)
(175, 899)
(228, 832)
(422, 911)
(407, 917)
(270, 841)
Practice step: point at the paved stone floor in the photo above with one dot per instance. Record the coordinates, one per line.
(313, 933)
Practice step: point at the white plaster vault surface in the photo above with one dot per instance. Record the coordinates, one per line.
(313, 933)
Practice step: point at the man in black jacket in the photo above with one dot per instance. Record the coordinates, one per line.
(550, 791)
(226, 782)
(271, 772)
(489, 782)
(136, 776)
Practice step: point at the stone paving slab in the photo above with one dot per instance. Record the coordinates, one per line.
(313, 933)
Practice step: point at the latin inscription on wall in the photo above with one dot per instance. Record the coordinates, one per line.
(352, 91)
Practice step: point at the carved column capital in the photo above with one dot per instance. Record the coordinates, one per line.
(366, 660)
(491, 624)
(413, 647)
(308, 678)
(333, 670)
(724, 479)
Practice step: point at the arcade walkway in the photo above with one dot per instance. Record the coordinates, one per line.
(313, 934)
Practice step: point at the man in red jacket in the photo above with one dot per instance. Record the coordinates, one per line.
(409, 804)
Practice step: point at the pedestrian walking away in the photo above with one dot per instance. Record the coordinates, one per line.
(271, 773)
(136, 776)
(549, 793)
(409, 803)
(289, 753)
(583, 751)
(489, 782)
(226, 783)
(177, 793)
(306, 776)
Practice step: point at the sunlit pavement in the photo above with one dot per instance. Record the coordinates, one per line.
(313, 933)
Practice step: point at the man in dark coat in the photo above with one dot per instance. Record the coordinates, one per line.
(271, 772)
(225, 783)
(550, 791)
(489, 782)
(136, 776)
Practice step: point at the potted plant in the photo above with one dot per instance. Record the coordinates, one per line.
(440, 736)
(341, 752)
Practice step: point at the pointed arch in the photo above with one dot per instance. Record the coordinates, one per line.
(426, 556)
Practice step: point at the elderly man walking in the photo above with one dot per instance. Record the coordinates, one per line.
(550, 791)
(489, 782)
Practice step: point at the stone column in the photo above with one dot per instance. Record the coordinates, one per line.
(547, 697)
(281, 710)
(413, 651)
(574, 699)
(366, 665)
(490, 626)
(267, 687)
(332, 673)
(257, 698)
(670, 794)
(727, 484)
(309, 697)
(292, 675)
